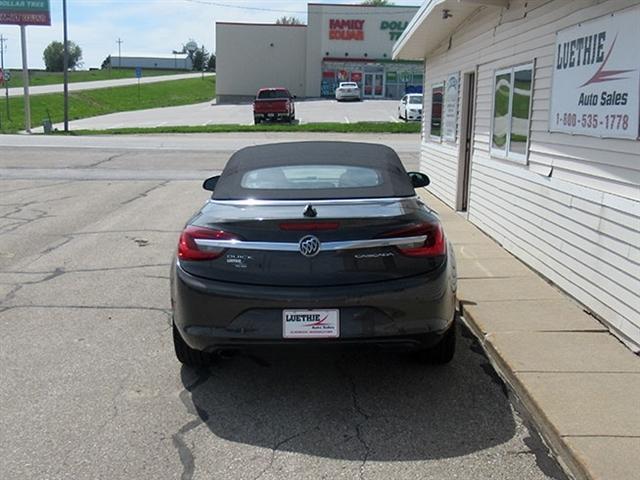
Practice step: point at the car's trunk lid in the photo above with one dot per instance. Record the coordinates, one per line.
(268, 251)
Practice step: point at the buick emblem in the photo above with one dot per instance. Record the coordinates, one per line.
(309, 246)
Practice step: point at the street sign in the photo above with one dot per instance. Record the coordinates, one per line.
(138, 72)
(25, 12)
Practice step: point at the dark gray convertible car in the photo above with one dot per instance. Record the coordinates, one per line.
(314, 244)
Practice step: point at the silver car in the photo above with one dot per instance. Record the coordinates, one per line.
(347, 91)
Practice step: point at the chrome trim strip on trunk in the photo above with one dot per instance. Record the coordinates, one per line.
(341, 201)
(324, 247)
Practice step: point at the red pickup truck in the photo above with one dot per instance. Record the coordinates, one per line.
(273, 104)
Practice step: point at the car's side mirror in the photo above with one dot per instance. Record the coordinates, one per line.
(294, 96)
(419, 179)
(210, 183)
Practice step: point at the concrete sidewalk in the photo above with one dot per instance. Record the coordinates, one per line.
(580, 385)
(97, 84)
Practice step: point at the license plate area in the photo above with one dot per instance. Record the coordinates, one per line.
(311, 323)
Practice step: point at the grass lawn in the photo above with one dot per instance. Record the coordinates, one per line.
(89, 103)
(334, 127)
(40, 77)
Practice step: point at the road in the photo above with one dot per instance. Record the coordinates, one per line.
(208, 113)
(90, 387)
(120, 82)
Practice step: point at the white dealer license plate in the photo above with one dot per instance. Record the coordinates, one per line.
(311, 323)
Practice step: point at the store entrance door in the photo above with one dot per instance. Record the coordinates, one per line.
(373, 85)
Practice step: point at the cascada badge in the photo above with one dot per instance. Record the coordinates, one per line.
(311, 323)
(596, 78)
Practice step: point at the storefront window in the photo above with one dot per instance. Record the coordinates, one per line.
(328, 84)
(520, 111)
(436, 110)
(511, 112)
(376, 80)
(501, 96)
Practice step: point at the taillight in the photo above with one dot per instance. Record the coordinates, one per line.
(434, 244)
(189, 249)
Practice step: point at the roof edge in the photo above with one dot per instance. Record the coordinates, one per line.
(436, 20)
(425, 10)
(259, 24)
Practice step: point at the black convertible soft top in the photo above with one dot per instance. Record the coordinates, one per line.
(394, 181)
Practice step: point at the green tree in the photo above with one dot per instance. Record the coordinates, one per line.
(106, 63)
(211, 64)
(377, 3)
(288, 21)
(53, 56)
(200, 59)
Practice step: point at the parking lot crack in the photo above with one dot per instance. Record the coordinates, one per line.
(146, 192)
(88, 270)
(279, 445)
(17, 286)
(24, 189)
(185, 451)
(20, 217)
(51, 248)
(364, 418)
(108, 159)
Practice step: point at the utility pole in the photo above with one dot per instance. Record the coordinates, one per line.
(119, 42)
(65, 67)
(25, 79)
(6, 83)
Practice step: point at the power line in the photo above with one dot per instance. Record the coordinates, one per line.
(392, 10)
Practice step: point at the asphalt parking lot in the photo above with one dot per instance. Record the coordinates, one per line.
(307, 111)
(90, 387)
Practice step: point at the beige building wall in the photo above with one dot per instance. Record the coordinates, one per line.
(379, 27)
(251, 56)
(573, 211)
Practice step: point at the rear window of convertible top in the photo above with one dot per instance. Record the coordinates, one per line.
(311, 177)
(313, 171)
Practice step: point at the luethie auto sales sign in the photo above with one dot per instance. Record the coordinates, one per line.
(596, 77)
(25, 12)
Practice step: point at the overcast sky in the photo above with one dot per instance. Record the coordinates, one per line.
(145, 26)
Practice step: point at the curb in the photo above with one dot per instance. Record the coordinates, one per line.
(564, 455)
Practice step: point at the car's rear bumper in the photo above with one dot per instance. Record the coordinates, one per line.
(347, 96)
(408, 313)
(271, 115)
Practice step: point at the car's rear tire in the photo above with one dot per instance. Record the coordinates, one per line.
(256, 121)
(187, 355)
(444, 351)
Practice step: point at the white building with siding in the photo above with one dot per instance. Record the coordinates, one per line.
(531, 131)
